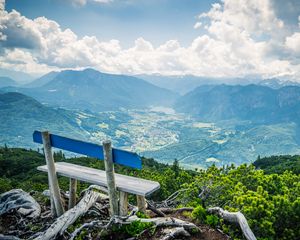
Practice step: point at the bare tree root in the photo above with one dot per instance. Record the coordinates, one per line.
(175, 233)
(235, 217)
(69, 217)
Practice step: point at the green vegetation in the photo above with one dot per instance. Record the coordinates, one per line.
(270, 201)
(279, 164)
(157, 135)
(135, 228)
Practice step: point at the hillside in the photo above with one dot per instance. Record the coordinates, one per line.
(270, 202)
(20, 77)
(21, 115)
(96, 91)
(256, 103)
(279, 164)
(6, 82)
(186, 83)
(162, 136)
(42, 80)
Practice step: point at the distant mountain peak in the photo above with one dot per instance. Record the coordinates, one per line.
(7, 82)
(97, 91)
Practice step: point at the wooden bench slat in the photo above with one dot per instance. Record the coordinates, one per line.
(124, 183)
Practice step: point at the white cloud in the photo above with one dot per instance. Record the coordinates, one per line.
(293, 42)
(197, 25)
(2, 5)
(103, 1)
(80, 3)
(243, 38)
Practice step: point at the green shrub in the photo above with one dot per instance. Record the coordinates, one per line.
(135, 228)
(199, 214)
(212, 220)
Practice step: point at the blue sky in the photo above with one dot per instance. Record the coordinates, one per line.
(154, 20)
(213, 38)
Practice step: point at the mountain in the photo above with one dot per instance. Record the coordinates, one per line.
(21, 115)
(277, 83)
(42, 80)
(96, 91)
(256, 103)
(186, 83)
(6, 82)
(179, 84)
(18, 76)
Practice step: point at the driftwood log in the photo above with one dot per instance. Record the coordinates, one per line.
(175, 233)
(22, 202)
(234, 217)
(69, 217)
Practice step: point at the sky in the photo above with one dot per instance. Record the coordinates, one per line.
(226, 38)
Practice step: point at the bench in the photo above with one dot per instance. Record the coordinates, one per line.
(108, 179)
(128, 184)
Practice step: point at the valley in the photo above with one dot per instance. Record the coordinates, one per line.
(156, 132)
(212, 124)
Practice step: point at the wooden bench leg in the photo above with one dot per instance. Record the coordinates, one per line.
(53, 210)
(52, 178)
(110, 176)
(141, 203)
(123, 204)
(72, 192)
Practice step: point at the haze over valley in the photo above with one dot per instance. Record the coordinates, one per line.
(211, 124)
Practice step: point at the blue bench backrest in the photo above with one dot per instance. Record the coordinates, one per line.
(90, 149)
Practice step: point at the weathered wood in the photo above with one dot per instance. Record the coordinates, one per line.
(110, 177)
(52, 178)
(175, 233)
(22, 202)
(162, 222)
(141, 203)
(124, 183)
(123, 204)
(72, 192)
(70, 216)
(155, 210)
(235, 217)
(53, 210)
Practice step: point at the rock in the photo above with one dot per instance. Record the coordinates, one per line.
(22, 202)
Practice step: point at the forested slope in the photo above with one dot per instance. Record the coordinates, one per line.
(270, 201)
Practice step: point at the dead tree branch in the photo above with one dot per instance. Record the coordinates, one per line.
(235, 217)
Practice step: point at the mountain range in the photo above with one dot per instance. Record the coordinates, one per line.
(96, 91)
(217, 123)
(187, 83)
(259, 104)
(7, 81)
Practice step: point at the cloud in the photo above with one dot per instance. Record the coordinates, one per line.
(293, 42)
(80, 3)
(242, 38)
(18, 31)
(197, 25)
(103, 1)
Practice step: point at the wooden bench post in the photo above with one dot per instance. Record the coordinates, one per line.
(72, 192)
(52, 178)
(110, 176)
(141, 203)
(123, 203)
